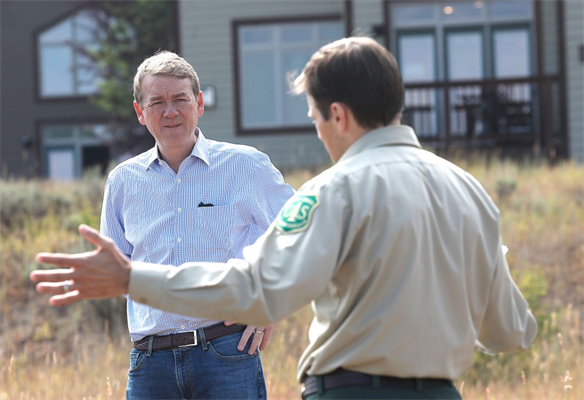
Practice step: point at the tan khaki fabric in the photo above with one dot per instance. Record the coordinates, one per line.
(402, 259)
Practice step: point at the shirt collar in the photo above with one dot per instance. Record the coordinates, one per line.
(200, 150)
(391, 135)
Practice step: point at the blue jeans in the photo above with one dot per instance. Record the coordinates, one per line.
(214, 370)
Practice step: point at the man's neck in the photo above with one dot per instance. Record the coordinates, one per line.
(175, 157)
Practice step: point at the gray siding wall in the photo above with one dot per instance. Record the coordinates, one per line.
(574, 12)
(206, 42)
(21, 111)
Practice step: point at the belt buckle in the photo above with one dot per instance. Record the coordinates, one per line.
(194, 339)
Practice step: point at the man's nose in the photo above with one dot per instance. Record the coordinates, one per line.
(170, 111)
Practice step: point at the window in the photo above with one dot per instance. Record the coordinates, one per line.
(417, 57)
(417, 61)
(458, 42)
(267, 53)
(511, 53)
(64, 71)
(474, 39)
(456, 11)
(70, 149)
(464, 51)
(505, 10)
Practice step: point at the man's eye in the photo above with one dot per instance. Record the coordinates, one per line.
(181, 100)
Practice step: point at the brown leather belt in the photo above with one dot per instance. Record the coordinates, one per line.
(186, 339)
(345, 378)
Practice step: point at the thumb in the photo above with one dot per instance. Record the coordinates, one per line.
(92, 235)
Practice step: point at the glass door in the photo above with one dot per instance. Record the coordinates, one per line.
(417, 62)
(465, 62)
(512, 60)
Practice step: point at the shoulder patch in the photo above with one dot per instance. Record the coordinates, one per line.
(297, 213)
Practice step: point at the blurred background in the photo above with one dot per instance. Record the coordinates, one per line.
(491, 76)
(495, 86)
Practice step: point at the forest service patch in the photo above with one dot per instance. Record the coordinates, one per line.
(297, 213)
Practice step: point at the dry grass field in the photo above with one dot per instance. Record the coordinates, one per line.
(80, 352)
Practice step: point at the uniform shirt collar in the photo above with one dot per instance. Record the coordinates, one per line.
(200, 150)
(391, 135)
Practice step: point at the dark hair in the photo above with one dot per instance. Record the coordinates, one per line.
(359, 73)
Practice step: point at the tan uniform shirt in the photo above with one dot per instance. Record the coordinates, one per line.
(398, 249)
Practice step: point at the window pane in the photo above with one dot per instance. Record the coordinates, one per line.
(331, 31)
(404, 14)
(297, 34)
(56, 73)
(511, 9)
(465, 55)
(63, 70)
(295, 107)
(58, 34)
(100, 131)
(258, 101)
(61, 164)
(256, 36)
(58, 132)
(511, 53)
(417, 58)
(85, 26)
(87, 77)
(86, 131)
(456, 11)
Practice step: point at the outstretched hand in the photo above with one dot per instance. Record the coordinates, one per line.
(101, 273)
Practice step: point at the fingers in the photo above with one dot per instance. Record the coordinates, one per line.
(260, 337)
(53, 275)
(257, 339)
(55, 288)
(229, 323)
(267, 335)
(247, 333)
(69, 260)
(65, 299)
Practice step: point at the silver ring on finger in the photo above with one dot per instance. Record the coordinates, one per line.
(66, 286)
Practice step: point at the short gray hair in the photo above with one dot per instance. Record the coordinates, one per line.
(164, 63)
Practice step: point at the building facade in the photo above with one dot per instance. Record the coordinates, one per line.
(504, 76)
(47, 126)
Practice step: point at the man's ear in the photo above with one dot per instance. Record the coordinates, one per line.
(139, 113)
(339, 113)
(200, 104)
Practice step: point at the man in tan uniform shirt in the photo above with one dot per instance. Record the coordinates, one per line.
(398, 250)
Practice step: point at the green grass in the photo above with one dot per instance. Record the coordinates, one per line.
(81, 351)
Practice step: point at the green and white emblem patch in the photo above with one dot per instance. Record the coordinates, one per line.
(297, 213)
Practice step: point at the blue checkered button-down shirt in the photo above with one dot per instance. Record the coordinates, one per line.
(222, 199)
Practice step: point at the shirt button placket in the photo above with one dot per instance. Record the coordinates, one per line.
(179, 209)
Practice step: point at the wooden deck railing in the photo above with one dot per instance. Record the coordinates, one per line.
(519, 113)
